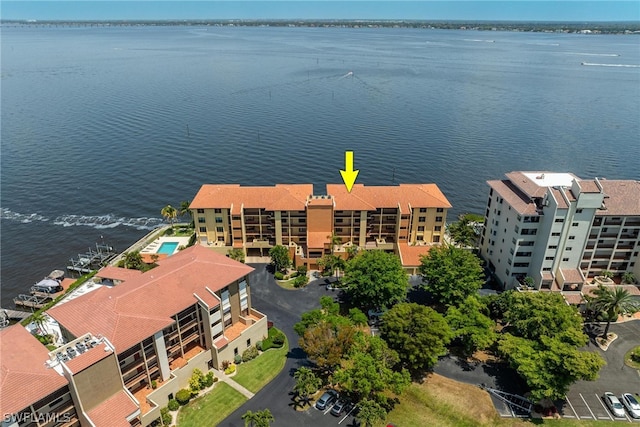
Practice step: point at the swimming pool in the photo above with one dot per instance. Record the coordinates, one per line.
(167, 248)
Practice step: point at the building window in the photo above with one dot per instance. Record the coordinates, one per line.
(546, 269)
(555, 234)
(436, 239)
(553, 246)
(569, 248)
(219, 229)
(200, 210)
(217, 210)
(549, 258)
(507, 271)
(423, 210)
(574, 224)
(203, 229)
(249, 342)
(438, 219)
(517, 229)
(437, 228)
(339, 220)
(235, 351)
(439, 210)
(219, 219)
(302, 220)
(529, 231)
(521, 264)
(572, 237)
(578, 211)
(565, 259)
(201, 220)
(421, 228)
(559, 220)
(300, 230)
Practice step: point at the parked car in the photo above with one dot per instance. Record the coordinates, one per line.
(632, 405)
(614, 404)
(339, 407)
(326, 399)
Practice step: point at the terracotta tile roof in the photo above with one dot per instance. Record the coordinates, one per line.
(573, 298)
(410, 255)
(572, 275)
(371, 197)
(221, 342)
(317, 239)
(557, 194)
(114, 411)
(210, 299)
(88, 358)
(281, 197)
(117, 273)
(22, 367)
(589, 186)
(622, 197)
(514, 197)
(320, 201)
(138, 308)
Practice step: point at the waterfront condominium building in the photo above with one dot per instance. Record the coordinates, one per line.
(403, 219)
(132, 343)
(560, 230)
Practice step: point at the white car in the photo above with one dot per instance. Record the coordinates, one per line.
(632, 405)
(614, 404)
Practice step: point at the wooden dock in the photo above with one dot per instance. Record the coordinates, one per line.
(14, 314)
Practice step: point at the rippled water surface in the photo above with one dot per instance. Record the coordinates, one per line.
(102, 127)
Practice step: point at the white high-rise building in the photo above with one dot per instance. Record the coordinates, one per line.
(560, 230)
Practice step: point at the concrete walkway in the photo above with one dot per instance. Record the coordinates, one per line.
(227, 379)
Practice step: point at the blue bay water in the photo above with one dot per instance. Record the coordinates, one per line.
(102, 127)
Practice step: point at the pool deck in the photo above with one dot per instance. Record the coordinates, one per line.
(153, 247)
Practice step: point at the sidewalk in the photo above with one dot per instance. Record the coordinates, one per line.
(226, 379)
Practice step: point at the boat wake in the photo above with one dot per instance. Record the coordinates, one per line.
(94, 221)
(590, 54)
(479, 40)
(611, 65)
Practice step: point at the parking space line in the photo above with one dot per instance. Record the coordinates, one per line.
(326, 411)
(345, 417)
(587, 405)
(605, 408)
(571, 406)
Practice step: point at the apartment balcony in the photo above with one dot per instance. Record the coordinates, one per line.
(141, 395)
(189, 353)
(626, 245)
(259, 243)
(379, 244)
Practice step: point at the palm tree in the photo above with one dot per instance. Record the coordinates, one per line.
(258, 419)
(170, 213)
(40, 319)
(613, 301)
(184, 209)
(335, 240)
(629, 278)
(306, 383)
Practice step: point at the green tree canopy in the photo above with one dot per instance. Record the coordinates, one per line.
(533, 315)
(450, 274)
(418, 333)
(375, 279)
(307, 382)
(280, 257)
(367, 371)
(549, 366)
(371, 412)
(236, 254)
(471, 324)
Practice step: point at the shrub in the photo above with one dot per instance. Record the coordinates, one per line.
(197, 380)
(357, 317)
(301, 281)
(215, 379)
(278, 339)
(173, 405)
(237, 359)
(225, 364)
(230, 370)
(168, 232)
(250, 353)
(208, 380)
(278, 275)
(183, 396)
(165, 416)
(259, 345)
(154, 384)
(302, 270)
(635, 356)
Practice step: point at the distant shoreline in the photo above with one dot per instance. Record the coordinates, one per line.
(627, 27)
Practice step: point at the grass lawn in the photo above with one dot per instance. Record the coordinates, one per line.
(438, 402)
(256, 373)
(286, 284)
(212, 408)
(629, 361)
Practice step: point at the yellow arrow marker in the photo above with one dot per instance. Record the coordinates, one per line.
(349, 175)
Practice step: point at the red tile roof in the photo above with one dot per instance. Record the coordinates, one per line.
(210, 299)
(117, 273)
(514, 196)
(622, 197)
(114, 411)
(406, 196)
(410, 255)
(317, 239)
(24, 378)
(88, 358)
(140, 307)
(281, 197)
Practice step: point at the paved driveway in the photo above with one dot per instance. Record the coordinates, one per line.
(284, 307)
(584, 399)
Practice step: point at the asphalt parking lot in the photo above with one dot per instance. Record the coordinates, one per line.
(584, 399)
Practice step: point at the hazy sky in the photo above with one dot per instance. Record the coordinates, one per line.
(516, 10)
